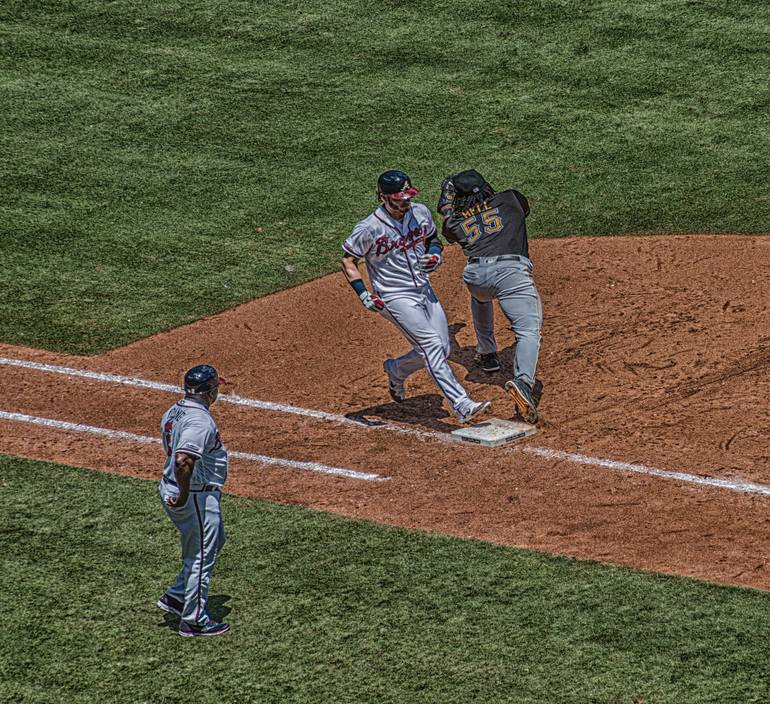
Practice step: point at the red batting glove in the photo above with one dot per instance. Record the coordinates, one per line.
(372, 301)
(429, 263)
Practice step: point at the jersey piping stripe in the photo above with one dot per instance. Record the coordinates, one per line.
(202, 563)
(187, 451)
(406, 254)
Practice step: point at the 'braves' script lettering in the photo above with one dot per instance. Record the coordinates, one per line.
(385, 244)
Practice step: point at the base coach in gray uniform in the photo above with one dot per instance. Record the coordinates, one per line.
(191, 491)
(491, 229)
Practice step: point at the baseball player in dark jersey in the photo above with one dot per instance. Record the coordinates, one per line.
(490, 227)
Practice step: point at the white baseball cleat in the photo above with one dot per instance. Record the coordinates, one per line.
(476, 410)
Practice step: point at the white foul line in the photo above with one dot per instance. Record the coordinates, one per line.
(122, 435)
(728, 484)
(223, 398)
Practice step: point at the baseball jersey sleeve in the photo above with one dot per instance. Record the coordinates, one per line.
(451, 230)
(522, 201)
(360, 241)
(194, 438)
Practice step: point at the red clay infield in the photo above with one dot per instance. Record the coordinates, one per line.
(655, 352)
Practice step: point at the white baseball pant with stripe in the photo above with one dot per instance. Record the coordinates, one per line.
(202, 535)
(421, 319)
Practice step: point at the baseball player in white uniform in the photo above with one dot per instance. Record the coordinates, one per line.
(399, 244)
(191, 491)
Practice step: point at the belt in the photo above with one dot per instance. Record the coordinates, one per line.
(205, 487)
(499, 258)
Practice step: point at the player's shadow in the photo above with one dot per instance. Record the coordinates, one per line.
(426, 410)
(216, 607)
(464, 356)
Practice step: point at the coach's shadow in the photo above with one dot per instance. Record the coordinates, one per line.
(216, 608)
(426, 410)
(465, 356)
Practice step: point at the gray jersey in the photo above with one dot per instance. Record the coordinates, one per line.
(189, 427)
(392, 249)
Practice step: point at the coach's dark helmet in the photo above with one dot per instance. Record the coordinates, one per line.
(201, 379)
(395, 184)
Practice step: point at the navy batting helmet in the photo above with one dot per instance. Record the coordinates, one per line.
(395, 184)
(201, 379)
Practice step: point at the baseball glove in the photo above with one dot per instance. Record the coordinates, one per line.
(447, 197)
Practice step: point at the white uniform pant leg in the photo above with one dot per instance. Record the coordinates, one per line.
(202, 537)
(177, 589)
(407, 364)
(422, 320)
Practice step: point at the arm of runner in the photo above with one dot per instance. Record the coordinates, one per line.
(353, 275)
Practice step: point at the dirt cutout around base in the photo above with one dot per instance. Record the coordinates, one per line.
(656, 351)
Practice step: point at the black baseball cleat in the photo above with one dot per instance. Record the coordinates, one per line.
(212, 628)
(522, 397)
(170, 605)
(395, 389)
(488, 362)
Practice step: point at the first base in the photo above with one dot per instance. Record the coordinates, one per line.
(494, 432)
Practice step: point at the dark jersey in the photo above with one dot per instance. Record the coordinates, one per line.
(496, 228)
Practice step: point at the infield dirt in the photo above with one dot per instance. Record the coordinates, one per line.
(656, 350)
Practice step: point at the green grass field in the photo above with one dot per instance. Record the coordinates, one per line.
(145, 142)
(326, 609)
(167, 160)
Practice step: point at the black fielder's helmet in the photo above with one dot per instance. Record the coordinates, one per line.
(471, 189)
(395, 184)
(469, 182)
(201, 379)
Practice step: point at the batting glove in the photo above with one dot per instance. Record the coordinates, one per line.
(430, 262)
(371, 302)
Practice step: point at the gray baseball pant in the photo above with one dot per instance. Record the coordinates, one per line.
(202, 535)
(510, 281)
